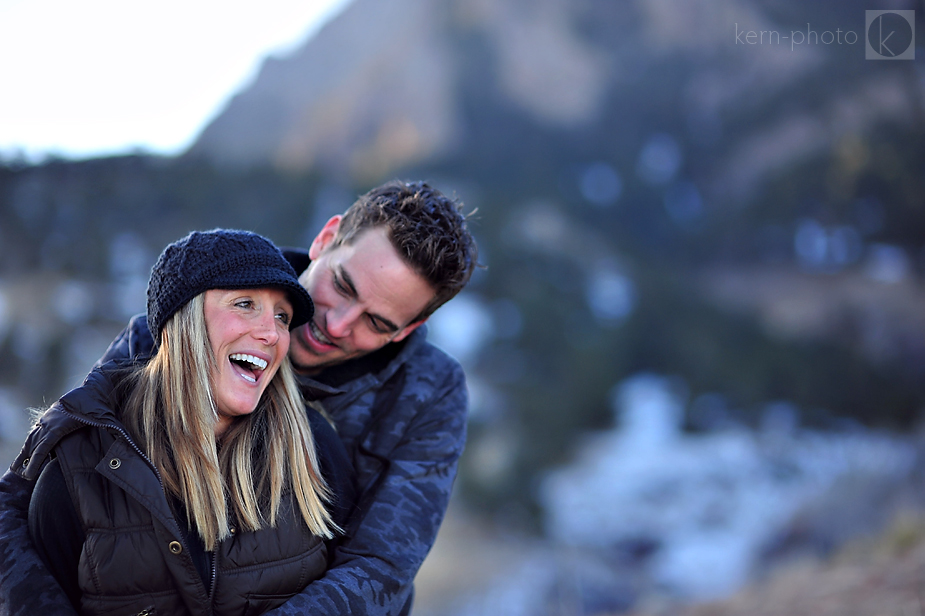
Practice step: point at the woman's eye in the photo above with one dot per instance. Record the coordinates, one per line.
(284, 318)
(244, 303)
(337, 285)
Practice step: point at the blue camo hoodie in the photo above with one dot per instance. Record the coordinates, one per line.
(401, 413)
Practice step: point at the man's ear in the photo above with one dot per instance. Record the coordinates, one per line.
(406, 331)
(325, 237)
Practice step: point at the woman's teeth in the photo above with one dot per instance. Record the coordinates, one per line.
(258, 363)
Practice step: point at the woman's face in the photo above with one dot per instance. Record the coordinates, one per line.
(249, 333)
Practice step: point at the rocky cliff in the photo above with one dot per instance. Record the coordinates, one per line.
(388, 85)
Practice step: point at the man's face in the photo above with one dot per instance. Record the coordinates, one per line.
(365, 296)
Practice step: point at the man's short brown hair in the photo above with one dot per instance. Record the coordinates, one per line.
(427, 228)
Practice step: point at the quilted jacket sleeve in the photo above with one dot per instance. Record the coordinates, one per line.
(373, 570)
(27, 587)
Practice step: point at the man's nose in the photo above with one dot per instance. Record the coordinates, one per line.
(340, 321)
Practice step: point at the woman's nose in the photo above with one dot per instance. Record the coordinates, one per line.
(267, 329)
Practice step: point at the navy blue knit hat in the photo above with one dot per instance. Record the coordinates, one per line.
(220, 259)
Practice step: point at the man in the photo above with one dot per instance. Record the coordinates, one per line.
(375, 274)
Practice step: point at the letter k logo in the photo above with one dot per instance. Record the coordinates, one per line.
(890, 35)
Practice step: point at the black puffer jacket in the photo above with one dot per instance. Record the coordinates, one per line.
(135, 558)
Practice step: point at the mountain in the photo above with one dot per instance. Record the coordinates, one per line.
(376, 84)
(383, 87)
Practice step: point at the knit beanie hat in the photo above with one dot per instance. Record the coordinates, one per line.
(220, 259)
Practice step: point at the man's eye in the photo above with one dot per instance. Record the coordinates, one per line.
(339, 286)
(378, 327)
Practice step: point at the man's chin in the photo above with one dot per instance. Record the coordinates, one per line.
(305, 370)
(301, 356)
(305, 361)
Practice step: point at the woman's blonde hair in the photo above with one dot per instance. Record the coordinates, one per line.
(261, 456)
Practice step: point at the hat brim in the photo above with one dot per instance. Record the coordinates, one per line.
(271, 277)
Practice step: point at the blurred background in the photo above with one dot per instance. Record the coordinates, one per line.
(696, 352)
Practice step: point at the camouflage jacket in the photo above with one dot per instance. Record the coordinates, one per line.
(401, 413)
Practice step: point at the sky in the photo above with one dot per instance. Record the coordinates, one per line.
(87, 78)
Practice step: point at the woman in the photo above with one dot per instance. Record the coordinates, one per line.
(190, 484)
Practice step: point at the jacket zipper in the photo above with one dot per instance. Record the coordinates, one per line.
(214, 571)
(128, 439)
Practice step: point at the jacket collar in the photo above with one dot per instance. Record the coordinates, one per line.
(95, 399)
(90, 404)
